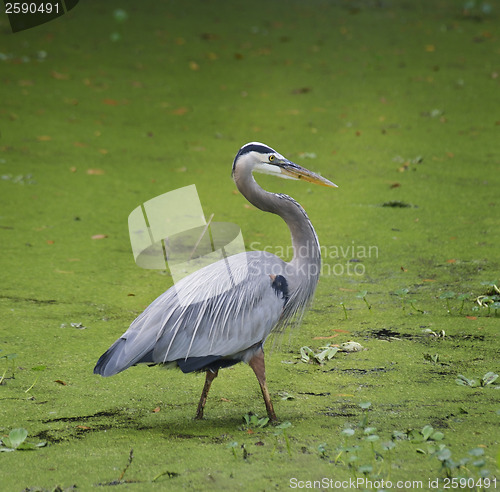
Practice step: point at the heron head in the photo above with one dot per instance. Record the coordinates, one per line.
(256, 156)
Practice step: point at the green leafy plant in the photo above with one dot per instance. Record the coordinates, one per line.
(403, 297)
(325, 354)
(489, 378)
(38, 369)
(362, 295)
(16, 440)
(490, 300)
(9, 363)
(447, 296)
(344, 308)
(281, 430)
(252, 421)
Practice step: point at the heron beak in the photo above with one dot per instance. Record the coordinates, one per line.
(294, 171)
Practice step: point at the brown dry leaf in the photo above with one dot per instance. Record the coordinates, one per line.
(301, 90)
(226, 400)
(471, 317)
(50, 241)
(180, 111)
(59, 75)
(44, 138)
(194, 66)
(103, 151)
(99, 236)
(451, 260)
(60, 381)
(72, 169)
(110, 102)
(156, 410)
(95, 171)
(83, 427)
(325, 338)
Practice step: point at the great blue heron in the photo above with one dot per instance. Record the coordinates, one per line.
(200, 324)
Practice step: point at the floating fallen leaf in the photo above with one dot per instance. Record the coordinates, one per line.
(351, 347)
(59, 381)
(180, 111)
(59, 75)
(301, 90)
(99, 236)
(95, 171)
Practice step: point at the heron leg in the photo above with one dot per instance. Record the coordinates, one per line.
(258, 365)
(209, 377)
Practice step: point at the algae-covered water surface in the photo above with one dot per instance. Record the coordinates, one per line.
(116, 103)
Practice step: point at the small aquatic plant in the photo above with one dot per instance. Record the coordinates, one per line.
(16, 440)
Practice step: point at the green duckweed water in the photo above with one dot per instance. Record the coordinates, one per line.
(396, 102)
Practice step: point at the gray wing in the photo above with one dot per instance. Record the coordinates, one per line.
(220, 310)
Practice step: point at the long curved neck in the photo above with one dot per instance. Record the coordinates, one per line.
(306, 262)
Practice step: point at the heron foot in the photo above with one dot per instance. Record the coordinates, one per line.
(209, 377)
(258, 365)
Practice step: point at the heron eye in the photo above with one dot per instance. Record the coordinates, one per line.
(271, 158)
